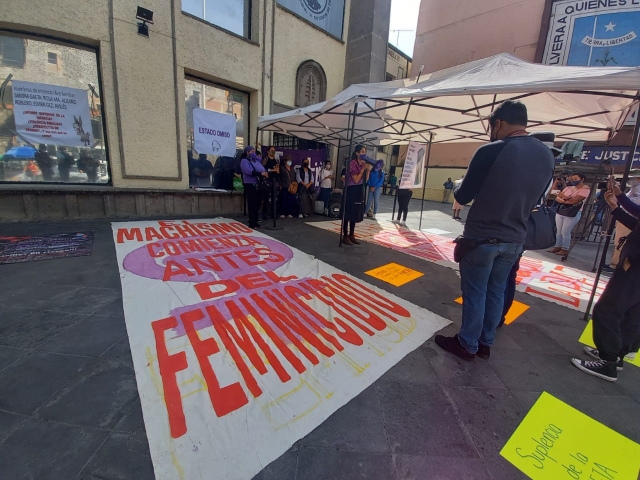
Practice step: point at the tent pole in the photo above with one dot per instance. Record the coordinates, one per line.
(424, 185)
(335, 177)
(347, 174)
(612, 224)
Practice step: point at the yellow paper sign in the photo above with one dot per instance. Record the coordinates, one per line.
(394, 274)
(517, 309)
(587, 339)
(557, 442)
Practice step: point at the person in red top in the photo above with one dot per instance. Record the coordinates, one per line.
(354, 211)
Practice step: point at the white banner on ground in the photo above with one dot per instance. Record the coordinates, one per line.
(413, 170)
(51, 114)
(214, 132)
(242, 345)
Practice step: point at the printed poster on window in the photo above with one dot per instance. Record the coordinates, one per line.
(413, 170)
(242, 344)
(51, 114)
(214, 133)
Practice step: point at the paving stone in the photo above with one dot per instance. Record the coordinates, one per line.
(35, 327)
(86, 300)
(323, 464)
(533, 338)
(133, 421)
(8, 422)
(47, 450)
(344, 429)
(99, 397)
(421, 467)
(420, 419)
(500, 469)
(489, 416)
(415, 367)
(91, 336)
(9, 355)
(33, 379)
(553, 373)
(124, 456)
(283, 468)
(456, 372)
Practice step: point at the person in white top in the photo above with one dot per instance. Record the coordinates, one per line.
(326, 180)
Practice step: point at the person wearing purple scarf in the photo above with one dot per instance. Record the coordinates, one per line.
(354, 204)
(252, 168)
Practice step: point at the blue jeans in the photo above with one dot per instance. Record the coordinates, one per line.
(484, 273)
(325, 195)
(564, 225)
(375, 198)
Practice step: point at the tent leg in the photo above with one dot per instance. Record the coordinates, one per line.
(424, 185)
(607, 240)
(347, 174)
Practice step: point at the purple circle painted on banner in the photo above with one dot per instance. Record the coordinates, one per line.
(226, 255)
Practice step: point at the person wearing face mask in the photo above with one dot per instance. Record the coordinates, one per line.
(621, 230)
(326, 178)
(288, 189)
(252, 168)
(519, 167)
(570, 201)
(304, 177)
(353, 211)
(375, 181)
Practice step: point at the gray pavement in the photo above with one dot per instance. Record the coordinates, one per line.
(69, 407)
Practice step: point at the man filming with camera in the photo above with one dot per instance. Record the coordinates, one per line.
(505, 179)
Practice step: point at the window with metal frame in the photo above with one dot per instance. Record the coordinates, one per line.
(231, 15)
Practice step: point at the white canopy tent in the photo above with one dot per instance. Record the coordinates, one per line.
(576, 103)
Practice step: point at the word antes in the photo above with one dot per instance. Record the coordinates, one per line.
(271, 310)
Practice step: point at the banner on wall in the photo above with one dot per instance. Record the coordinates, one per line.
(413, 171)
(594, 33)
(242, 345)
(325, 14)
(317, 159)
(616, 155)
(51, 114)
(214, 133)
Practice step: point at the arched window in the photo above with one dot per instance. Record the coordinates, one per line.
(311, 84)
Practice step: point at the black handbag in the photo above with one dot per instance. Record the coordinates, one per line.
(565, 210)
(541, 227)
(262, 183)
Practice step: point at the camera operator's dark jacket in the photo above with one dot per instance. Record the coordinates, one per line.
(505, 180)
(631, 249)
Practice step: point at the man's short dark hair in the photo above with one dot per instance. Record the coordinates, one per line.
(510, 111)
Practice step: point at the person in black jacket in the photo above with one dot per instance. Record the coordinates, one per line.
(616, 315)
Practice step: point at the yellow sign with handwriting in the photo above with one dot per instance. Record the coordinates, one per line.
(394, 274)
(555, 442)
(587, 339)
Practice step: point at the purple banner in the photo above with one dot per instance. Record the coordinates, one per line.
(316, 163)
(617, 155)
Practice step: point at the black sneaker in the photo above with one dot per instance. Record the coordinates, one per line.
(598, 368)
(452, 345)
(483, 351)
(594, 353)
